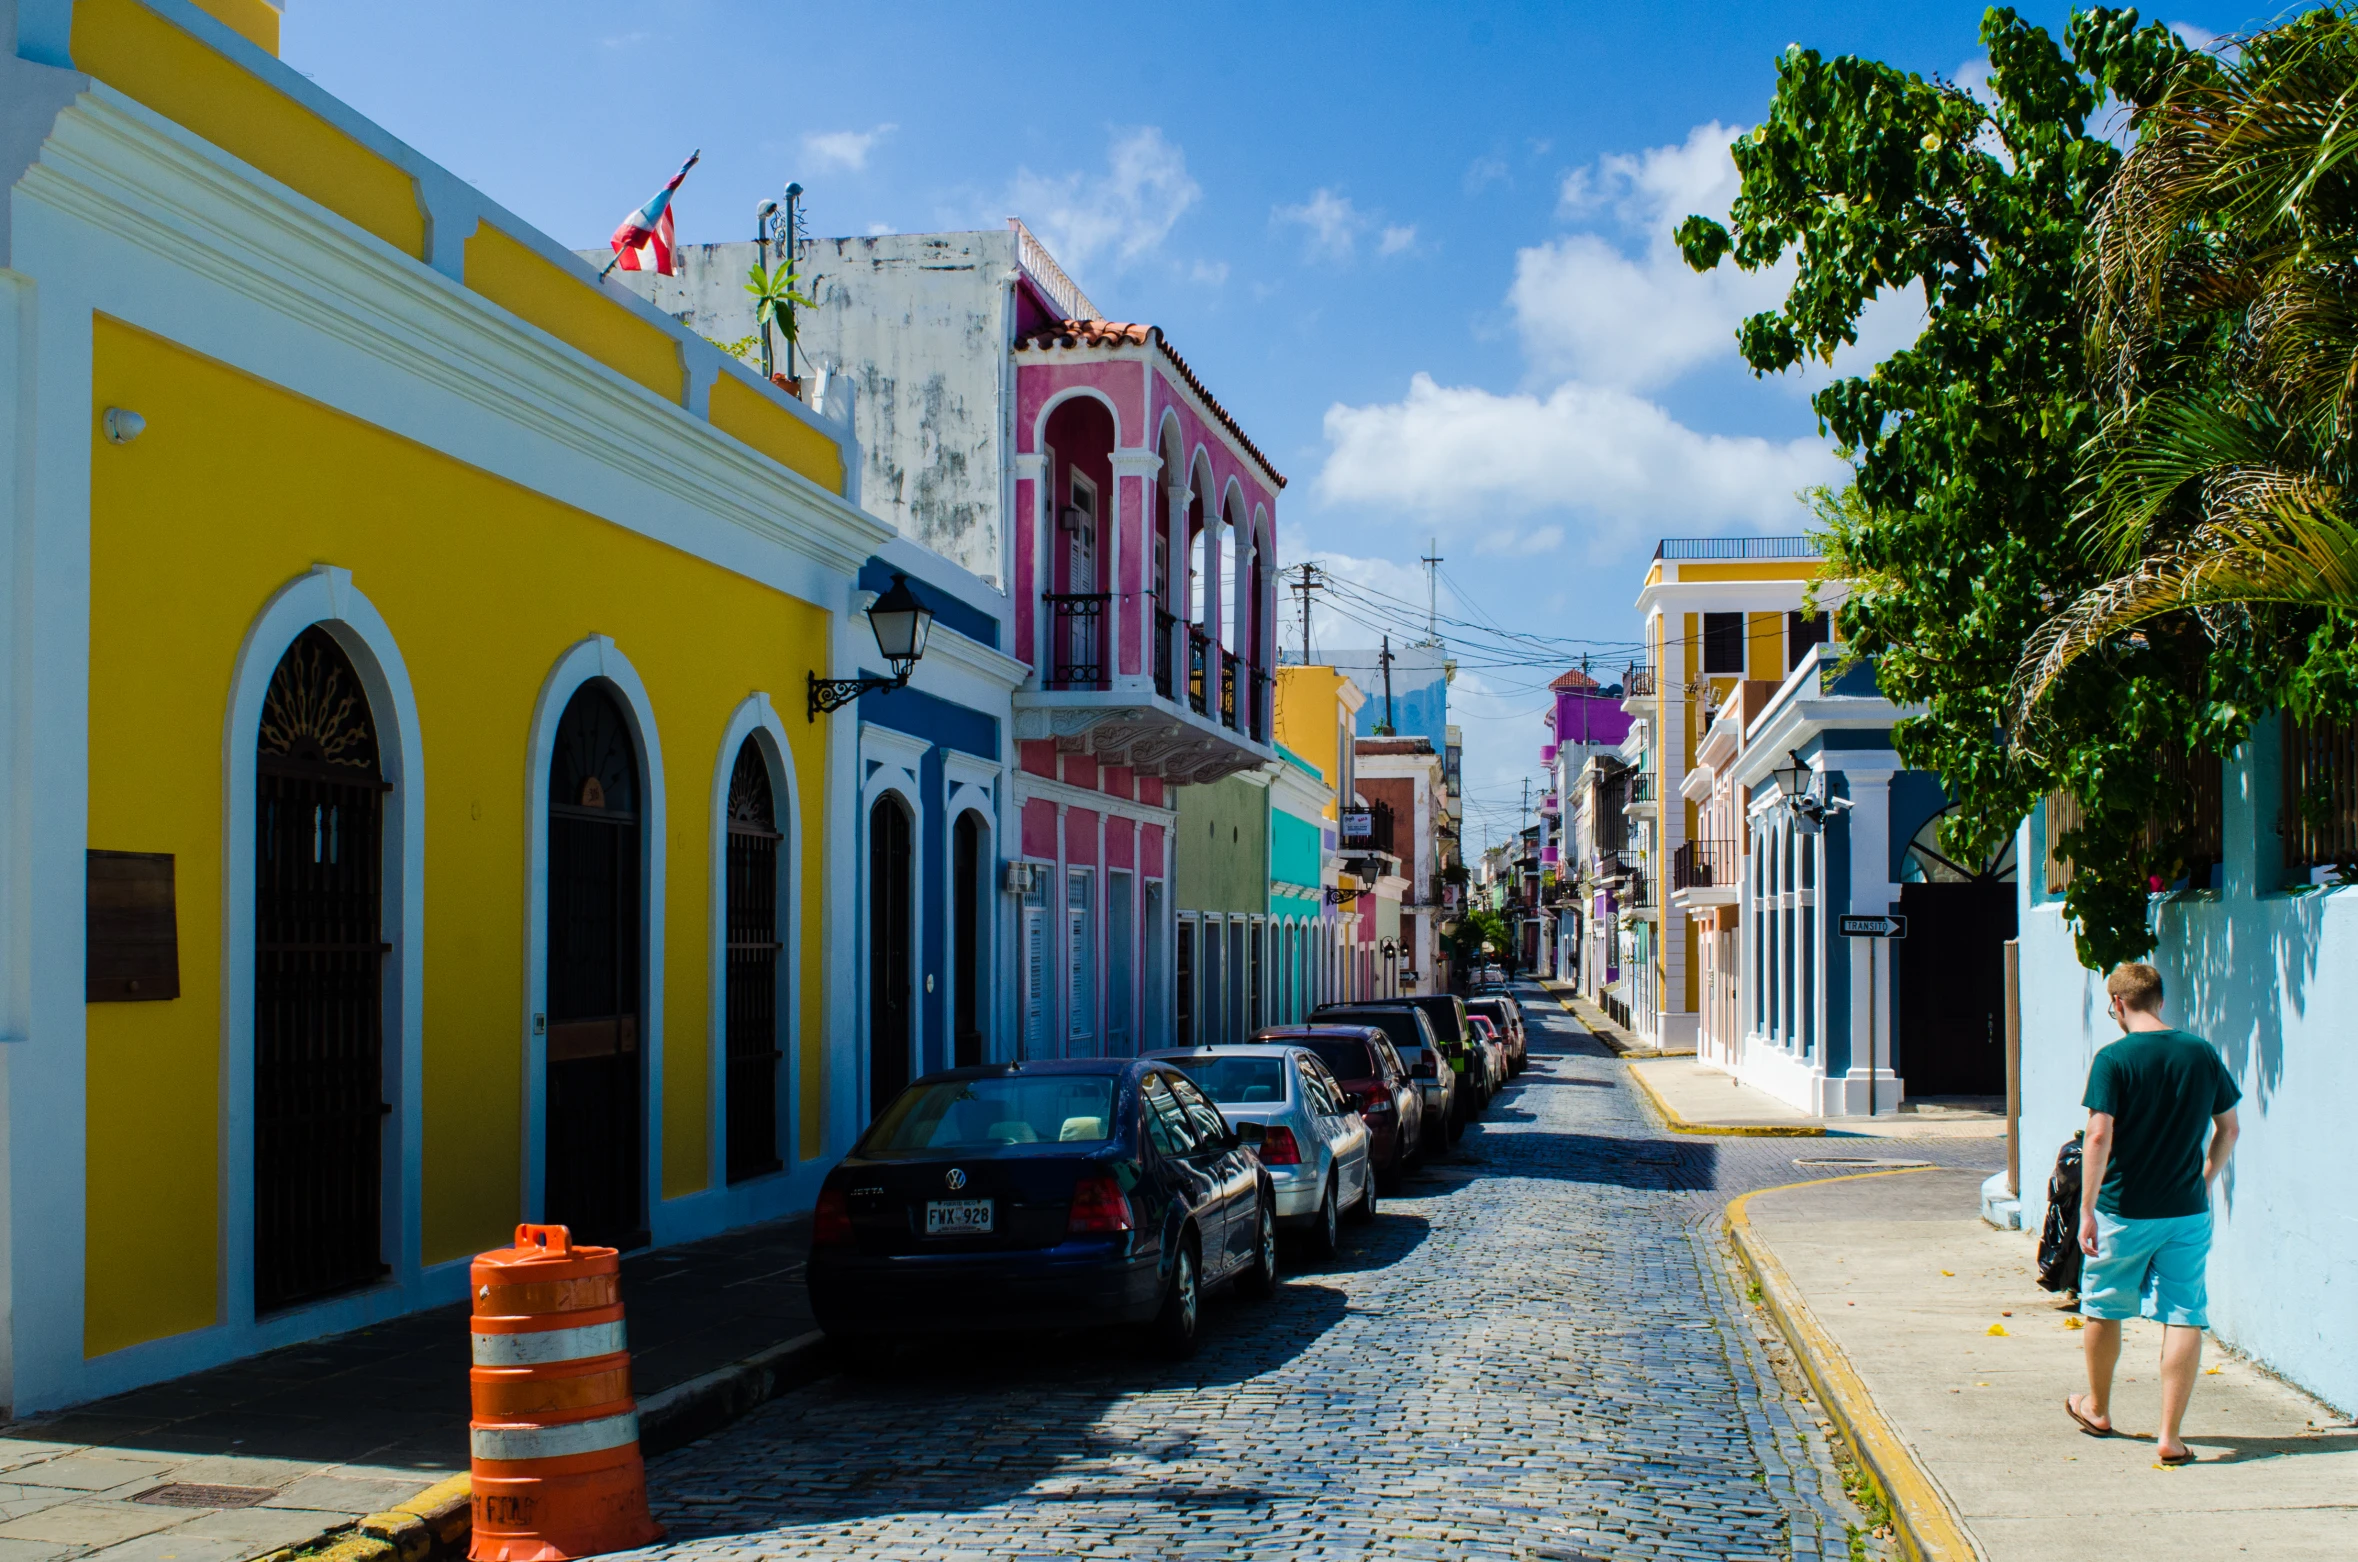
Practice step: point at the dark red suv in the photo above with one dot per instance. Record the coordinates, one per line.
(1364, 1062)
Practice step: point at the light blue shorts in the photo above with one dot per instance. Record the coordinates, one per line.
(2149, 1268)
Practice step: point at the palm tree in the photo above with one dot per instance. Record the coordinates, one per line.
(2221, 291)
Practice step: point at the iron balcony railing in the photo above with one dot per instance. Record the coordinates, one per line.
(1076, 640)
(1165, 640)
(1228, 691)
(1704, 865)
(1637, 682)
(1641, 788)
(1199, 655)
(1676, 548)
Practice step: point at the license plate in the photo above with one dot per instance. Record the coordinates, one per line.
(957, 1217)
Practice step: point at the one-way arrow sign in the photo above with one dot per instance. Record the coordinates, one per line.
(1874, 927)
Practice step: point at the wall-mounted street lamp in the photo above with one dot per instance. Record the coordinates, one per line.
(901, 623)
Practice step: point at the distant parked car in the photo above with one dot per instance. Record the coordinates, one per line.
(1035, 1195)
(1434, 1070)
(1447, 1011)
(1493, 1047)
(1372, 1073)
(1507, 1014)
(1312, 1142)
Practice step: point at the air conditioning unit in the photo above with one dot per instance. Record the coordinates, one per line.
(1021, 878)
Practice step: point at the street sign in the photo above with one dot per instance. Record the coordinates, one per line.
(1874, 927)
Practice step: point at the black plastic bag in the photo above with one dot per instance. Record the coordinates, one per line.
(2059, 1238)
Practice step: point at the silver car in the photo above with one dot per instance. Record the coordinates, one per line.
(1283, 1102)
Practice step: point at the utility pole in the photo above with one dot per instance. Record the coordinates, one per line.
(1432, 562)
(1385, 659)
(1307, 584)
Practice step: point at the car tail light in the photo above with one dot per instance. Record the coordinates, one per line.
(1426, 1068)
(1279, 1149)
(1375, 1098)
(831, 1222)
(1099, 1205)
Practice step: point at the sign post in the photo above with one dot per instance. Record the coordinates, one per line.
(1874, 930)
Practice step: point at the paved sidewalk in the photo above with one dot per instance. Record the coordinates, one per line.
(1907, 1281)
(320, 1433)
(1697, 1098)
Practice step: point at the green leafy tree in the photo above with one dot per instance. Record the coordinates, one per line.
(2223, 334)
(1957, 535)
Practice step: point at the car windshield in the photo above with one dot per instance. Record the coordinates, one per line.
(1013, 1109)
(1399, 1024)
(1238, 1081)
(1344, 1058)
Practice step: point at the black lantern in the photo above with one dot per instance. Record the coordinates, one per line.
(1793, 776)
(901, 623)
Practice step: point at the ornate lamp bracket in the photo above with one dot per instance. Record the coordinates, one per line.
(832, 694)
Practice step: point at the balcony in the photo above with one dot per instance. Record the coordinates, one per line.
(1640, 803)
(1109, 685)
(1705, 873)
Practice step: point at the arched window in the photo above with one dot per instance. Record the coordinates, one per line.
(891, 933)
(753, 964)
(594, 1146)
(319, 955)
(1929, 862)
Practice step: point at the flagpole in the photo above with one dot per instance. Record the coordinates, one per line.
(669, 190)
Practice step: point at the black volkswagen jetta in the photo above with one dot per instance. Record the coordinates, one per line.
(1041, 1195)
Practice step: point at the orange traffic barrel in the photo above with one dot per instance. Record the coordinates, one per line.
(555, 1435)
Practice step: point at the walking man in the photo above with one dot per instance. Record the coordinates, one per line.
(2145, 1206)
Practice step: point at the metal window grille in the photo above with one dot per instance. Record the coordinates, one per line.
(754, 948)
(2320, 817)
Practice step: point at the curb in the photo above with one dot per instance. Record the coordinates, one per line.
(1928, 1528)
(439, 1521)
(679, 1415)
(1679, 1125)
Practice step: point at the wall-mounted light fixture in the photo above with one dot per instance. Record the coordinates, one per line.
(901, 624)
(122, 425)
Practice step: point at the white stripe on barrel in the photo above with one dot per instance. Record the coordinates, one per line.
(554, 1442)
(543, 1346)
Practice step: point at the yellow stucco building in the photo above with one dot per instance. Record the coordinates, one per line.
(406, 641)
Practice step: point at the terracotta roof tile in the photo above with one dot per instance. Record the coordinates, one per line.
(1116, 333)
(1575, 679)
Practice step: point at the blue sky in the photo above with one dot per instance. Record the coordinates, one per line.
(1420, 251)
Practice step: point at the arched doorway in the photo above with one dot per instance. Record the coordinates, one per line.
(753, 962)
(594, 1181)
(891, 940)
(1950, 1033)
(966, 961)
(319, 955)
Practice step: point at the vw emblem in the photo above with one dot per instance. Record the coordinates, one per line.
(956, 1179)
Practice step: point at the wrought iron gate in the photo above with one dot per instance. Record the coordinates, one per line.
(319, 956)
(888, 953)
(593, 1163)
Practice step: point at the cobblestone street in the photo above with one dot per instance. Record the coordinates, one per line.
(1538, 1352)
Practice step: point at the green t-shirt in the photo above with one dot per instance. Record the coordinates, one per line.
(2162, 1088)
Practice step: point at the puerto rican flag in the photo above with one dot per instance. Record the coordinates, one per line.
(643, 242)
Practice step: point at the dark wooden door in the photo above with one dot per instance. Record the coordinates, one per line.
(754, 948)
(889, 949)
(966, 958)
(594, 1162)
(319, 956)
(1952, 988)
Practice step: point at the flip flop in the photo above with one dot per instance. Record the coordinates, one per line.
(2176, 1459)
(2086, 1425)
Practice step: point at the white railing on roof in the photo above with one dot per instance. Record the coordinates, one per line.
(1062, 290)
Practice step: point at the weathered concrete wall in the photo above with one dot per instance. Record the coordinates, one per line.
(921, 323)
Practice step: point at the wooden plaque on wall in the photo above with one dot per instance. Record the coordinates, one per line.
(133, 949)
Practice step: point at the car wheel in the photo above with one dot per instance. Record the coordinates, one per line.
(1259, 1280)
(1326, 1237)
(1174, 1327)
(1365, 1210)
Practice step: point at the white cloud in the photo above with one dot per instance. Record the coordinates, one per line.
(1484, 172)
(1334, 224)
(1481, 461)
(1120, 215)
(1396, 239)
(843, 150)
(1211, 273)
